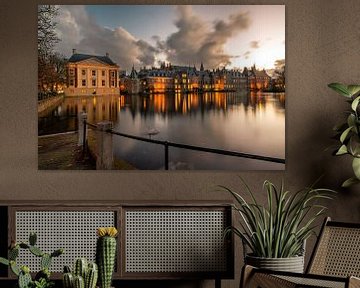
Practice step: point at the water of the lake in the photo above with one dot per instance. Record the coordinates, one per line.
(246, 122)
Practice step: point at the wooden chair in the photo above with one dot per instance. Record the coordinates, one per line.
(335, 262)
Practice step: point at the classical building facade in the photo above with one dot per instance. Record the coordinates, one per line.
(91, 75)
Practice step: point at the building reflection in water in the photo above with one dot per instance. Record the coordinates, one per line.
(100, 108)
(251, 122)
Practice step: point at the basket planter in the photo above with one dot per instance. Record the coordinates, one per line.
(291, 264)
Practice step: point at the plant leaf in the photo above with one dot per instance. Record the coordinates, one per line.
(356, 167)
(342, 150)
(345, 134)
(340, 88)
(355, 103)
(349, 182)
(353, 89)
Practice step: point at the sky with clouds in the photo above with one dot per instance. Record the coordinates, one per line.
(217, 35)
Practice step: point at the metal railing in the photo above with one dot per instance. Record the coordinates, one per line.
(168, 144)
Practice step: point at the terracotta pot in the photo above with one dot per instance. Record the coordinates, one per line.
(291, 264)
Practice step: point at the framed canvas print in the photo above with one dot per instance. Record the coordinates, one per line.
(161, 87)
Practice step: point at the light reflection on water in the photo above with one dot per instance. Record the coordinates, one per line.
(244, 122)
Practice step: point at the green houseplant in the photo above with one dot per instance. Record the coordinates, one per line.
(349, 132)
(42, 278)
(276, 233)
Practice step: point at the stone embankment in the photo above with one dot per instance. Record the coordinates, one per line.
(48, 104)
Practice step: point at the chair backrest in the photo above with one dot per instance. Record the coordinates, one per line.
(337, 251)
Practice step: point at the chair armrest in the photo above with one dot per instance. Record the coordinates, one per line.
(254, 277)
(354, 282)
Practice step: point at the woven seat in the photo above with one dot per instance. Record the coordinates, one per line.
(335, 262)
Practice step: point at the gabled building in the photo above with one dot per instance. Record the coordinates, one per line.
(258, 79)
(91, 75)
(131, 82)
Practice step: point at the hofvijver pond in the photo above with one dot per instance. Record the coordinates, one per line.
(250, 122)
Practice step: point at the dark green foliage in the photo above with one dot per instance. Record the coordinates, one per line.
(44, 273)
(80, 268)
(24, 246)
(349, 132)
(14, 268)
(68, 280)
(42, 278)
(32, 239)
(91, 276)
(45, 261)
(36, 251)
(105, 258)
(57, 252)
(79, 282)
(24, 280)
(13, 253)
(67, 269)
(4, 261)
(279, 229)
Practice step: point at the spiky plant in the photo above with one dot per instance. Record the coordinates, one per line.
(106, 254)
(279, 229)
(42, 278)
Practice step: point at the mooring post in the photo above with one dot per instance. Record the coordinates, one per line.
(166, 155)
(82, 117)
(104, 143)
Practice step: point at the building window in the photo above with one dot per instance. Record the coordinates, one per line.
(112, 73)
(112, 83)
(71, 72)
(93, 72)
(103, 74)
(93, 82)
(103, 82)
(83, 82)
(71, 82)
(83, 72)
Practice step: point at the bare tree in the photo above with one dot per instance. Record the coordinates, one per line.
(47, 37)
(49, 63)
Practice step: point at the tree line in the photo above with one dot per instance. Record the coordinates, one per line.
(51, 65)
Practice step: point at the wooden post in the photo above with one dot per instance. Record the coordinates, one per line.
(81, 118)
(104, 143)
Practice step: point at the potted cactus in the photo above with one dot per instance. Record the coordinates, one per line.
(84, 275)
(42, 278)
(106, 254)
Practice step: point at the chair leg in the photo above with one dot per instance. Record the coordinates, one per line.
(246, 273)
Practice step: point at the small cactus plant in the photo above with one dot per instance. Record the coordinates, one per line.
(42, 278)
(85, 275)
(106, 254)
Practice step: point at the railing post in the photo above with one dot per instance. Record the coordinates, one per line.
(82, 128)
(166, 155)
(104, 143)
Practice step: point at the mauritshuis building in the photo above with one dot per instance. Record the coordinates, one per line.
(99, 75)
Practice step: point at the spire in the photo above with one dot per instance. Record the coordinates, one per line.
(201, 66)
(133, 73)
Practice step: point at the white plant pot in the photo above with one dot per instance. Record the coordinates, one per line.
(291, 264)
